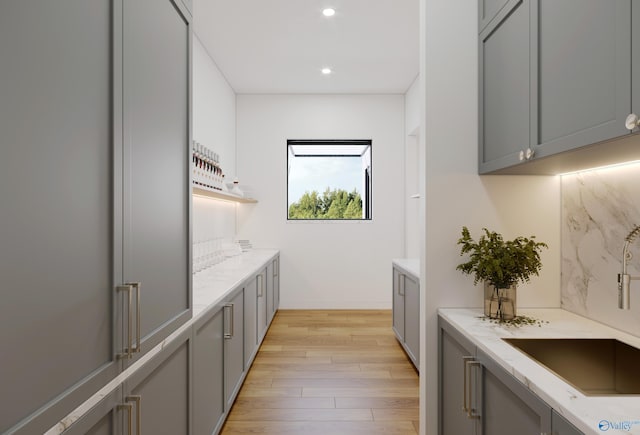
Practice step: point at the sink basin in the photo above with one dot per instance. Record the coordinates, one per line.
(596, 367)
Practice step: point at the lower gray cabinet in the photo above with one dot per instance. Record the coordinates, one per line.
(478, 397)
(250, 321)
(101, 419)
(208, 373)
(506, 406)
(262, 316)
(157, 395)
(234, 367)
(406, 313)
(560, 426)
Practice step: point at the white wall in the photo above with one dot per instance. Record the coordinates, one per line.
(454, 195)
(412, 170)
(324, 265)
(214, 125)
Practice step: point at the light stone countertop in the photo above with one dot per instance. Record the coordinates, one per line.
(585, 412)
(409, 265)
(209, 288)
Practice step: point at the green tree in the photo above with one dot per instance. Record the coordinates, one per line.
(332, 204)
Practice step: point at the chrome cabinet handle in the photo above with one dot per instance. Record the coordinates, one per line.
(471, 413)
(260, 288)
(529, 153)
(137, 285)
(465, 361)
(128, 407)
(131, 349)
(400, 284)
(136, 400)
(229, 335)
(276, 266)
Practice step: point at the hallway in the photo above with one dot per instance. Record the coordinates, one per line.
(328, 372)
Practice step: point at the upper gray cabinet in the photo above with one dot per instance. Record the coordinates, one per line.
(156, 129)
(556, 82)
(505, 68)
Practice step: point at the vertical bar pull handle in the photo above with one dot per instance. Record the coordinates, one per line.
(136, 400)
(261, 281)
(231, 333)
(276, 265)
(128, 407)
(128, 350)
(136, 286)
(465, 387)
(472, 413)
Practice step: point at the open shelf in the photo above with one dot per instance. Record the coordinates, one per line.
(226, 196)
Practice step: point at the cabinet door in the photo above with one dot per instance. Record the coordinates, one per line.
(560, 426)
(234, 348)
(412, 318)
(508, 407)
(276, 284)
(270, 274)
(159, 391)
(250, 321)
(57, 254)
(156, 41)
(208, 374)
(505, 77)
(101, 419)
(453, 349)
(261, 317)
(398, 305)
(584, 67)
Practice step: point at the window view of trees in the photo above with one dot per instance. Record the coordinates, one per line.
(332, 204)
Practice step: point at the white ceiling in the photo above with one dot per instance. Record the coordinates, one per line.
(280, 46)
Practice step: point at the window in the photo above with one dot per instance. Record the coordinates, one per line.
(329, 179)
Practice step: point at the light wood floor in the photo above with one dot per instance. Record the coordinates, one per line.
(328, 372)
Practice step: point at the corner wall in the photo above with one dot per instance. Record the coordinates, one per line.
(454, 195)
(337, 265)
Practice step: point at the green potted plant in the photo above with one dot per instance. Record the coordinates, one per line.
(501, 265)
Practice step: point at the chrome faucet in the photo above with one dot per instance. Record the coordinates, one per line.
(624, 279)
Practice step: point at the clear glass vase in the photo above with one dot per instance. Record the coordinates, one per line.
(499, 303)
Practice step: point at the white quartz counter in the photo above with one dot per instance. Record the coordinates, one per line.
(213, 284)
(585, 412)
(409, 265)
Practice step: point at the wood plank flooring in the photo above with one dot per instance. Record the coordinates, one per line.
(328, 372)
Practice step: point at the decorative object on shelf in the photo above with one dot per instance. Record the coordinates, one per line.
(207, 172)
(501, 265)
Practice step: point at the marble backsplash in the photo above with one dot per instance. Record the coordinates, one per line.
(599, 209)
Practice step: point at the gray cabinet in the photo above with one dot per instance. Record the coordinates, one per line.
(250, 321)
(506, 406)
(157, 191)
(560, 426)
(158, 395)
(478, 396)
(406, 313)
(58, 251)
(273, 289)
(584, 90)
(209, 403)
(101, 419)
(262, 304)
(556, 77)
(234, 367)
(94, 183)
(487, 10)
(505, 73)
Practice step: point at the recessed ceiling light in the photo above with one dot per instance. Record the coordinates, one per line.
(328, 12)
(326, 71)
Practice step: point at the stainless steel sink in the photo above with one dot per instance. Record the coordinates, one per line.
(596, 367)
